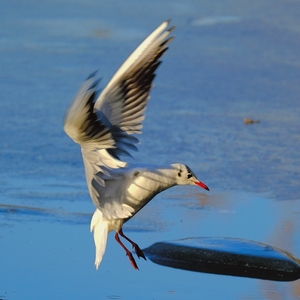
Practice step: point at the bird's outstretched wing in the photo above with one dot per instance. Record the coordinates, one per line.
(124, 99)
(104, 128)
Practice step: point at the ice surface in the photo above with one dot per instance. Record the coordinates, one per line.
(243, 63)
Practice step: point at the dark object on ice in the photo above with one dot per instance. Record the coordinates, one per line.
(227, 256)
(248, 121)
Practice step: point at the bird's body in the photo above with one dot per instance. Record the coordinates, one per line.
(104, 128)
(132, 188)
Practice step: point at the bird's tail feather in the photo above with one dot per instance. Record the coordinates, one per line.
(100, 229)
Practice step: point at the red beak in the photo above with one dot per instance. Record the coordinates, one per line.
(201, 184)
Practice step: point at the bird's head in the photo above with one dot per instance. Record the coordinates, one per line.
(185, 176)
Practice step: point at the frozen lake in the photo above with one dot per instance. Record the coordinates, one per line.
(229, 61)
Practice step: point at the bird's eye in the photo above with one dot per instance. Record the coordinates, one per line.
(189, 175)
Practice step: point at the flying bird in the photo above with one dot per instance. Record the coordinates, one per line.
(104, 125)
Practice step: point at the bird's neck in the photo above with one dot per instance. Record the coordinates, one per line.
(164, 178)
(146, 183)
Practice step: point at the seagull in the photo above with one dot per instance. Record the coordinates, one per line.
(104, 125)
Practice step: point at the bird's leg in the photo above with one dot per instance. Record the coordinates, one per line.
(128, 253)
(136, 247)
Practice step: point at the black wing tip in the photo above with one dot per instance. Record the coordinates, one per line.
(171, 29)
(92, 75)
(93, 80)
(168, 21)
(95, 83)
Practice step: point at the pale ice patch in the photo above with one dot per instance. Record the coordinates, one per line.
(213, 20)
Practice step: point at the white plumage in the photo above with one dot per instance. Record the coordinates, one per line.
(104, 129)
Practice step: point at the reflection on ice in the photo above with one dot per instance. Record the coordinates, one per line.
(18, 213)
